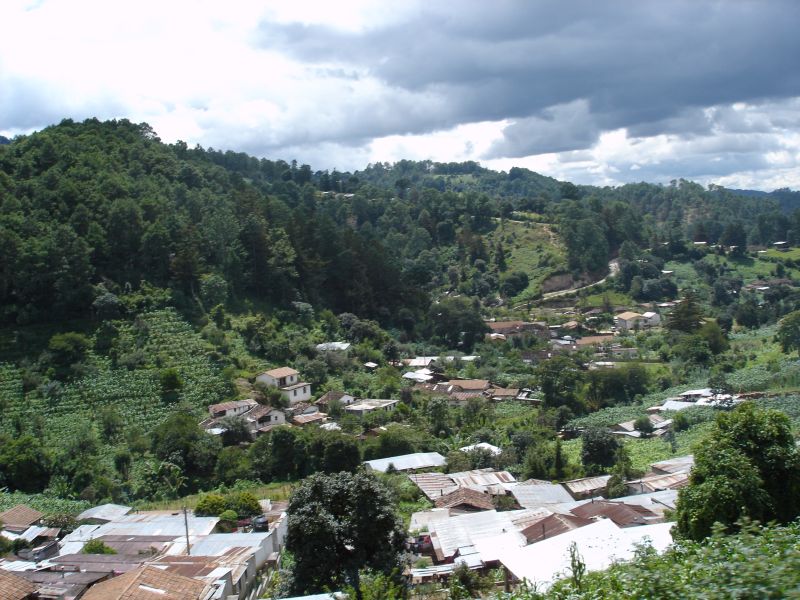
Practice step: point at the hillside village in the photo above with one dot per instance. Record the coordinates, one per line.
(514, 383)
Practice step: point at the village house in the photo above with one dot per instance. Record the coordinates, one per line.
(651, 319)
(363, 407)
(288, 382)
(628, 321)
(264, 418)
(324, 402)
(235, 408)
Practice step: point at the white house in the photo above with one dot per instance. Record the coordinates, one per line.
(263, 418)
(628, 320)
(288, 381)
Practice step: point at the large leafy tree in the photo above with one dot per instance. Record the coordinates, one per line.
(747, 466)
(789, 332)
(338, 525)
(456, 323)
(599, 449)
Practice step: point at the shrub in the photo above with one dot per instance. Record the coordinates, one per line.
(97, 547)
(210, 505)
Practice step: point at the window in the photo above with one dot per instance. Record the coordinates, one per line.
(295, 392)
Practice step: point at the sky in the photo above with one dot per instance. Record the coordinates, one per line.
(591, 92)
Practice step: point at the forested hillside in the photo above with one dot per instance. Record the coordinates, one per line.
(142, 283)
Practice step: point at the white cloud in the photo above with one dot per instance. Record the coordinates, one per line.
(200, 71)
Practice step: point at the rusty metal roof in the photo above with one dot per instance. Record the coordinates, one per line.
(466, 497)
(587, 484)
(551, 525)
(622, 514)
(20, 516)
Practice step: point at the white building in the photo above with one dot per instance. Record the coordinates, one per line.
(288, 381)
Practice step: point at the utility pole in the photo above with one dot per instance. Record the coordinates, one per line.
(186, 527)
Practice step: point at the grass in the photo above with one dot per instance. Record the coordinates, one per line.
(613, 297)
(276, 491)
(530, 248)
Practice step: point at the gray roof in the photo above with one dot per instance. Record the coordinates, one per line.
(149, 523)
(539, 494)
(435, 485)
(678, 464)
(587, 484)
(407, 462)
(463, 530)
(219, 543)
(104, 512)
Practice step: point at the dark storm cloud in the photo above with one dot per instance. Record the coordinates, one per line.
(649, 66)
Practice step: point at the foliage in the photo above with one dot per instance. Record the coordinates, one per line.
(338, 525)
(97, 547)
(788, 334)
(598, 450)
(748, 466)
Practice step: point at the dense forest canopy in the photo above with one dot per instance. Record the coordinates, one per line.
(92, 208)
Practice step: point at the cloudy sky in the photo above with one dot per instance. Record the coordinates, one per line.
(592, 92)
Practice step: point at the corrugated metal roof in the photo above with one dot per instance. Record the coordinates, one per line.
(658, 502)
(466, 497)
(407, 462)
(20, 516)
(435, 485)
(218, 544)
(623, 515)
(552, 525)
(451, 534)
(104, 512)
(671, 481)
(587, 485)
(540, 494)
(149, 523)
(675, 465)
(35, 531)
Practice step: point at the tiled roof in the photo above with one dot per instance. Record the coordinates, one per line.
(305, 419)
(20, 516)
(13, 587)
(504, 392)
(147, 583)
(281, 372)
(628, 315)
(225, 406)
(468, 497)
(470, 384)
